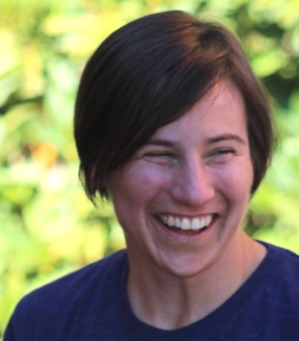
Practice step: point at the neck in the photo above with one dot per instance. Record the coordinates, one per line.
(169, 302)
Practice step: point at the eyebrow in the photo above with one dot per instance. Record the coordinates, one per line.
(210, 140)
(159, 142)
(226, 137)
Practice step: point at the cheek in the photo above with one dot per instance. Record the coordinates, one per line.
(236, 181)
(150, 185)
(137, 185)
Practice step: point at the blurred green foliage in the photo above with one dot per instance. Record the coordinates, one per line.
(48, 227)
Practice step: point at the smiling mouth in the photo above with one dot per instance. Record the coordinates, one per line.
(186, 225)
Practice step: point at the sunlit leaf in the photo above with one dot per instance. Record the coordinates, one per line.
(268, 63)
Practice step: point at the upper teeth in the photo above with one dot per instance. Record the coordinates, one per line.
(186, 223)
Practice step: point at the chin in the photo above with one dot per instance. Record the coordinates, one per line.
(186, 266)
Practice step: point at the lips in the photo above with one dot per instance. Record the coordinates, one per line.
(185, 224)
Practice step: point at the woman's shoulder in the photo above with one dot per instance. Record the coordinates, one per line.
(75, 283)
(62, 299)
(277, 256)
(277, 278)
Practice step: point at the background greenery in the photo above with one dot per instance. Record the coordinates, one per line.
(48, 227)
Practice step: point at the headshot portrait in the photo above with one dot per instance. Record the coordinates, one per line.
(173, 127)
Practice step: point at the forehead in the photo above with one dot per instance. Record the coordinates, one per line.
(221, 111)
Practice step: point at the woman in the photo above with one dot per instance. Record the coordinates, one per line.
(173, 127)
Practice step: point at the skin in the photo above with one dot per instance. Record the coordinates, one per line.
(197, 166)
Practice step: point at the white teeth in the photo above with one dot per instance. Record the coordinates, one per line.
(170, 221)
(208, 220)
(187, 223)
(196, 224)
(177, 222)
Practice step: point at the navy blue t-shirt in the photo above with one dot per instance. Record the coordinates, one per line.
(92, 304)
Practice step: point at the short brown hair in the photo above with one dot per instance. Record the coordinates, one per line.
(149, 73)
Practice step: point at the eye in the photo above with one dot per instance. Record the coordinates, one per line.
(221, 155)
(163, 158)
(223, 152)
(158, 154)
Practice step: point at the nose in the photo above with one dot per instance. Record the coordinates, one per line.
(192, 185)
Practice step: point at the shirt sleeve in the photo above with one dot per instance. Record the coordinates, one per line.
(9, 334)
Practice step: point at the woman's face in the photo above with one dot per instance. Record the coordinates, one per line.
(183, 195)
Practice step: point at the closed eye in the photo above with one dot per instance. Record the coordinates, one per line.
(221, 155)
(222, 152)
(160, 158)
(158, 154)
